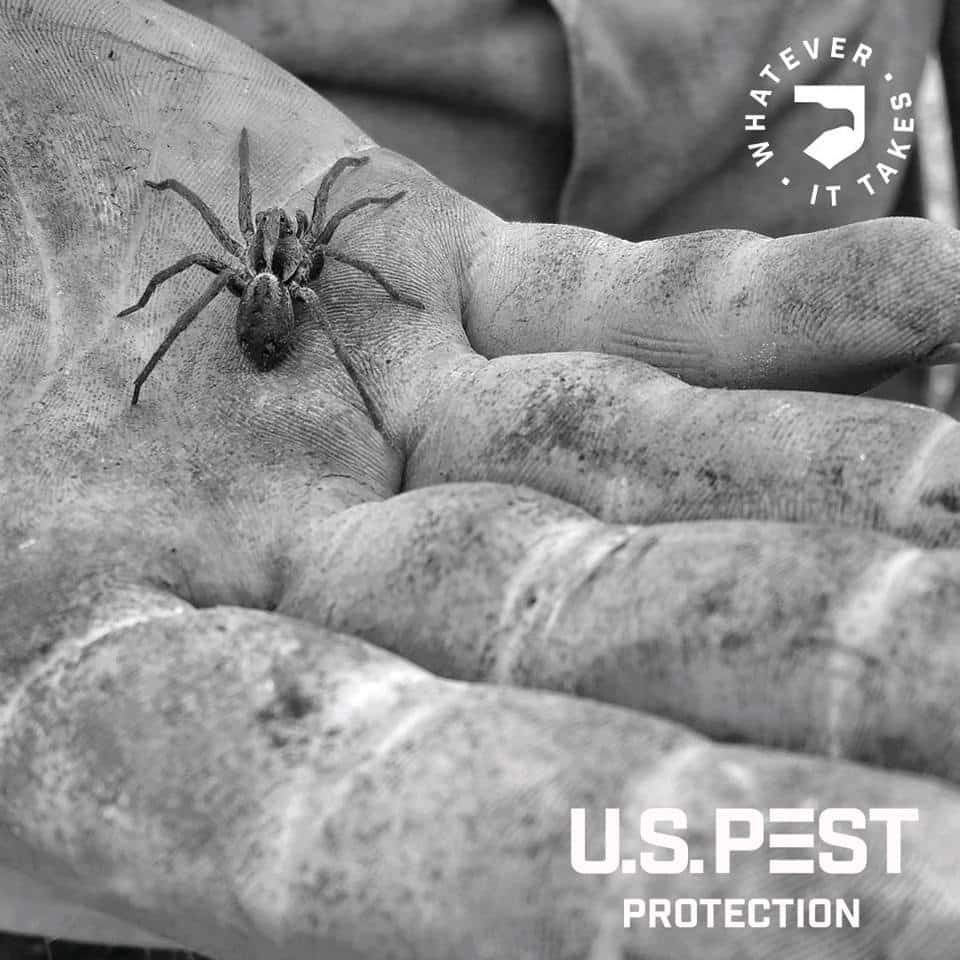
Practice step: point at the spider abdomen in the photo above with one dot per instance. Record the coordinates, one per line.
(265, 320)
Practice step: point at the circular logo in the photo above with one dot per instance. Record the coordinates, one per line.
(841, 145)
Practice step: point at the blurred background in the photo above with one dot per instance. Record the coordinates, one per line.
(935, 183)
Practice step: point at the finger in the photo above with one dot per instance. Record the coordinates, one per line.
(835, 642)
(633, 444)
(277, 748)
(839, 309)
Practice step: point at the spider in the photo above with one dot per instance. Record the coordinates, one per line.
(279, 258)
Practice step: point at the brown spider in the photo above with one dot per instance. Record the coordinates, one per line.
(279, 258)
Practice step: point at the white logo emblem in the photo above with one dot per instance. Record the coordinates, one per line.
(842, 143)
(835, 145)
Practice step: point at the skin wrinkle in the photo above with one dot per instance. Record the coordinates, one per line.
(513, 631)
(858, 624)
(912, 480)
(63, 654)
(568, 591)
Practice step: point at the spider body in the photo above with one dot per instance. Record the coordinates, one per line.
(276, 245)
(265, 320)
(279, 257)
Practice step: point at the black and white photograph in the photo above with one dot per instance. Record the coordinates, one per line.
(479, 480)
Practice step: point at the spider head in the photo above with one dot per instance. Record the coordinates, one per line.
(265, 320)
(275, 247)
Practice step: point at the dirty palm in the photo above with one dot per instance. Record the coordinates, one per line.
(280, 259)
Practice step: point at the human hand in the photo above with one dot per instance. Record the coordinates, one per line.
(202, 735)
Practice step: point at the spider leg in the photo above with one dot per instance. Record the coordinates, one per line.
(372, 271)
(183, 321)
(323, 193)
(210, 218)
(245, 202)
(303, 223)
(194, 259)
(350, 208)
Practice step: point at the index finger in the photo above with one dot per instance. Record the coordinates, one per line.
(838, 309)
